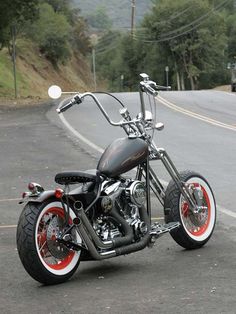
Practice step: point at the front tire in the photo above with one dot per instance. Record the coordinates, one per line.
(195, 229)
(43, 257)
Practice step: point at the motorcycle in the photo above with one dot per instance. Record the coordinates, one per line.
(108, 213)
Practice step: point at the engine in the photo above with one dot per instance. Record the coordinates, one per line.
(125, 198)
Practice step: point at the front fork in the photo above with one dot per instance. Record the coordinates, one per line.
(156, 186)
(170, 167)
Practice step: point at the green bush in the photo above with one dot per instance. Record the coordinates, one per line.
(51, 32)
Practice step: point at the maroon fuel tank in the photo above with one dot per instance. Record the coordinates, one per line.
(122, 155)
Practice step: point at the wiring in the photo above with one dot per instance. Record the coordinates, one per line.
(107, 49)
(175, 33)
(111, 95)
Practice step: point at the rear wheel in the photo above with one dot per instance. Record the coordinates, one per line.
(195, 229)
(43, 256)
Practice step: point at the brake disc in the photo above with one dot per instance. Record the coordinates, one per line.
(57, 249)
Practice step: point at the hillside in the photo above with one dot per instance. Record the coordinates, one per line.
(118, 11)
(35, 73)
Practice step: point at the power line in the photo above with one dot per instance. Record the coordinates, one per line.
(107, 39)
(174, 16)
(167, 36)
(171, 18)
(113, 46)
(107, 47)
(203, 17)
(133, 5)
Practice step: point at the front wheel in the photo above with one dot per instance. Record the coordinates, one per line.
(43, 256)
(195, 229)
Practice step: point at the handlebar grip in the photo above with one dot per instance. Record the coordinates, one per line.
(67, 106)
(149, 87)
(151, 90)
(166, 88)
(76, 100)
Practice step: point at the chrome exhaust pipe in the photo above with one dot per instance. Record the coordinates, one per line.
(119, 241)
(91, 248)
(125, 249)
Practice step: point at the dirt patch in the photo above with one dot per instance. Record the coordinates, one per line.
(11, 103)
(35, 74)
(223, 88)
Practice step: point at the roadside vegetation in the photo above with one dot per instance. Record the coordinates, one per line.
(51, 42)
(194, 38)
(190, 42)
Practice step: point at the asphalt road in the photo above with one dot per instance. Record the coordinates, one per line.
(35, 146)
(205, 144)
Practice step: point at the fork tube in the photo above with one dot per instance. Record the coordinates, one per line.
(170, 167)
(156, 186)
(139, 173)
(142, 103)
(148, 189)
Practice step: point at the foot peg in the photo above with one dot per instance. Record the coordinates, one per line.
(158, 229)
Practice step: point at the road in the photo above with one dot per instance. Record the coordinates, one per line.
(203, 140)
(35, 146)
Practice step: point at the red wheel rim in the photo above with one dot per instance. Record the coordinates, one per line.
(185, 212)
(58, 264)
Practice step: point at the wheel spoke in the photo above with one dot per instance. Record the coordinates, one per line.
(42, 245)
(53, 253)
(197, 223)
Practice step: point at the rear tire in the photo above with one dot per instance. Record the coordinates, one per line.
(46, 260)
(195, 229)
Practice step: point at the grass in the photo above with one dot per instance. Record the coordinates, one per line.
(6, 74)
(35, 73)
(7, 77)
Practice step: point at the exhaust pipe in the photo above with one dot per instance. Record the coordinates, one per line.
(91, 248)
(126, 249)
(119, 241)
(139, 245)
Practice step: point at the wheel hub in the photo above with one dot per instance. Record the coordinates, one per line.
(197, 218)
(57, 249)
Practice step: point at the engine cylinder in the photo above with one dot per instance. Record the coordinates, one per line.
(136, 191)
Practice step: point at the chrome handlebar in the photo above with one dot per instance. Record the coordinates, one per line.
(137, 124)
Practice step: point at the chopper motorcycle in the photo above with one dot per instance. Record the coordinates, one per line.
(108, 213)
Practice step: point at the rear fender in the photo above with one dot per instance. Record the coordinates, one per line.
(41, 197)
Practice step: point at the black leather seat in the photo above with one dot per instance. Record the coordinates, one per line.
(75, 177)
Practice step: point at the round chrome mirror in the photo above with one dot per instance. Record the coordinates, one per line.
(54, 92)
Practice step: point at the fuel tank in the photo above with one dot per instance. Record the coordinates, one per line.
(122, 155)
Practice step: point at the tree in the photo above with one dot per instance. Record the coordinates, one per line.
(193, 37)
(15, 12)
(51, 31)
(231, 31)
(80, 39)
(99, 19)
(108, 48)
(59, 6)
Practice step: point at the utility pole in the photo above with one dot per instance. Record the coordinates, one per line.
(94, 69)
(167, 75)
(14, 56)
(133, 5)
(94, 41)
(232, 67)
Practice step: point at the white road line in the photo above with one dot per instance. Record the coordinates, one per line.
(195, 115)
(101, 150)
(80, 136)
(8, 226)
(9, 200)
(226, 211)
